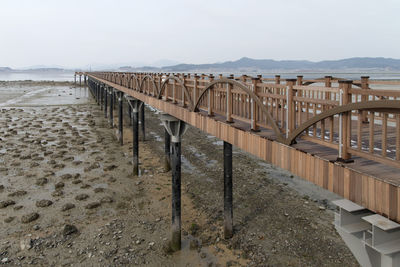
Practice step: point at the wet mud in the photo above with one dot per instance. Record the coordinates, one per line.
(68, 196)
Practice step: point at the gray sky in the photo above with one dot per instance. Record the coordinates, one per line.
(87, 32)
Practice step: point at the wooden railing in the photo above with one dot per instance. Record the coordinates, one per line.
(344, 115)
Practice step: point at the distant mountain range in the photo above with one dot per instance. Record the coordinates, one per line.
(246, 64)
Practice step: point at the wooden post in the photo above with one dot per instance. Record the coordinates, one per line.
(210, 98)
(183, 91)
(228, 192)
(364, 98)
(328, 83)
(346, 123)
(289, 106)
(253, 110)
(173, 91)
(229, 106)
(195, 83)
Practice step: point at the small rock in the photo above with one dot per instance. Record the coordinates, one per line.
(27, 218)
(17, 193)
(92, 205)
(36, 227)
(9, 219)
(18, 207)
(6, 203)
(25, 244)
(4, 260)
(69, 229)
(81, 197)
(57, 193)
(66, 176)
(322, 208)
(106, 199)
(42, 181)
(77, 181)
(109, 167)
(98, 190)
(59, 185)
(67, 206)
(43, 203)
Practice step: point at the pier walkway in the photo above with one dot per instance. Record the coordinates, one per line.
(341, 135)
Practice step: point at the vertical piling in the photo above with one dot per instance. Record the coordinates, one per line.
(142, 128)
(111, 108)
(105, 101)
(135, 141)
(167, 150)
(120, 119)
(176, 195)
(135, 104)
(176, 128)
(228, 196)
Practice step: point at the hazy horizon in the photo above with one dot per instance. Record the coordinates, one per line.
(79, 34)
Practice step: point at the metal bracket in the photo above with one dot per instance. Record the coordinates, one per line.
(134, 103)
(175, 127)
(373, 239)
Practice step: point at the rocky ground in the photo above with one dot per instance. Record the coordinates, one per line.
(68, 197)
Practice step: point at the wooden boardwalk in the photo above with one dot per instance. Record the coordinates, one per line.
(282, 121)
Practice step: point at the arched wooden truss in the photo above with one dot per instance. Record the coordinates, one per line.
(180, 83)
(252, 96)
(378, 106)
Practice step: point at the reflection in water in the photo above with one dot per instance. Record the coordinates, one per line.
(38, 76)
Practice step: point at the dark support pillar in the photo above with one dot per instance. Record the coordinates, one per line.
(135, 141)
(103, 94)
(167, 149)
(112, 108)
(130, 114)
(228, 197)
(176, 129)
(105, 101)
(98, 94)
(120, 119)
(176, 195)
(80, 80)
(142, 128)
(135, 107)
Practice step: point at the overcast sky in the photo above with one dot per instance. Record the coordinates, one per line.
(87, 32)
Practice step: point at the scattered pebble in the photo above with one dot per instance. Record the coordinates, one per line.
(67, 206)
(43, 203)
(42, 181)
(81, 197)
(92, 205)
(27, 218)
(6, 203)
(69, 229)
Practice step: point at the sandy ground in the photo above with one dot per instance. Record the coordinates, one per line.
(68, 197)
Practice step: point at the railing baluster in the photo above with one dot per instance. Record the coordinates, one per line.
(384, 134)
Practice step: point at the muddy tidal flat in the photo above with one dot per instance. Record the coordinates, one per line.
(68, 197)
